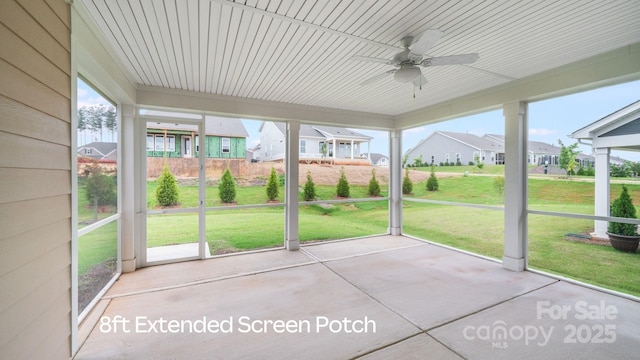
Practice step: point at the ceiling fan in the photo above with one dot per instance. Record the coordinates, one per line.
(407, 62)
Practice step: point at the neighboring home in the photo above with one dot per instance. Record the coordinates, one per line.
(226, 138)
(452, 147)
(379, 159)
(539, 153)
(316, 142)
(99, 151)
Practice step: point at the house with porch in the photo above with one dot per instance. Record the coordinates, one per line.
(453, 147)
(226, 138)
(317, 143)
(619, 130)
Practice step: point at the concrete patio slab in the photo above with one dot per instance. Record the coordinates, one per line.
(430, 285)
(305, 295)
(560, 321)
(170, 252)
(354, 247)
(157, 277)
(419, 347)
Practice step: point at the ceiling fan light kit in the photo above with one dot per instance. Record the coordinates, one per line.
(407, 62)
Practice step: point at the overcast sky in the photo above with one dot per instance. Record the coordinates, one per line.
(549, 120)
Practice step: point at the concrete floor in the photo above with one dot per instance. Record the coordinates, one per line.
(376, 298)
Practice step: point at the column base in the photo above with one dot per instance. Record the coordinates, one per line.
(292, 245)
(513, 264)
(395, 231)
(129, 265)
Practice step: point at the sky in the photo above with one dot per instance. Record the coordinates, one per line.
(549, 120)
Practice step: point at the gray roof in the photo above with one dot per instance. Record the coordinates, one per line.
(375, 157)
(225, 127)
(103, 148)
(538, 147)
(323, 132)
(474, 140)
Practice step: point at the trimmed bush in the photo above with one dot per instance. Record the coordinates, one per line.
(227, 187)
(432, 182)
(374, 185)
(309, 189)
(342, 190)
(167, 188)
(272, 186)
(623, 207)
(407, 184)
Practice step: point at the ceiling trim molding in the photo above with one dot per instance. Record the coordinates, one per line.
(158, 97)
(610, 68)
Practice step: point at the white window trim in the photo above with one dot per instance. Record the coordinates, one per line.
(222, 146)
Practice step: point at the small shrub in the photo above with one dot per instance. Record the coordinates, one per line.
(581, 171)
(458, 163)
(441, 163)
(432, 182)
(374, 185)
(342, 190)
(309, 189)
(407, 184)
(471, 163)
(167, 188)
(272, 185)
(590, 171)
(227, 187)
(623, 207)
(281, 179)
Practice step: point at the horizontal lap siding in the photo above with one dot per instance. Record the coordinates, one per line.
(35, 172)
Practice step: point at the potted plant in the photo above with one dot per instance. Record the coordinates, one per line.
(623, 237)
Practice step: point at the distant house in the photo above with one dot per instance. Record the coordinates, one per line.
(99, 151)
(316, 142)
(226, 138)
(379, 159)
(540, 153)
(452, 147)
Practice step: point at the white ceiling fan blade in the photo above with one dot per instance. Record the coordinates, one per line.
(378, 77)
(372, 59)
(426, 41)
(451, 60)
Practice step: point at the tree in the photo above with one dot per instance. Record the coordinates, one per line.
(432, 182)
(167, 188)
(82, 122)
(478, 162)
(374, 185)
(309, 189)
(272, 185)
(407, 184)
(110, 120)
(227, 187)
(417, 162)
(623, 207)
(323, 148)
(100, 189)
(342, 190)
(567, 155)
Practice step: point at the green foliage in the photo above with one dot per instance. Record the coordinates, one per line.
(417, 162)
(478, 161)
(432, 182)
(498, 184)
(100, 188)
(407, 184)
(309, 189)
(623, 170)
(567, 159)
(272, 185)
(374, 185)
(458, 163)
(623, 207)
(342, 190)
(581, 171)
(590, 171)
(167, 188)
(405, 158)
(227, 187)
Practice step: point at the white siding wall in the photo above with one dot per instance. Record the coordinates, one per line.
(272, 142)
(439, 146)
(35, 173)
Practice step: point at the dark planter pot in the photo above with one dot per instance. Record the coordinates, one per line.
(624, 243)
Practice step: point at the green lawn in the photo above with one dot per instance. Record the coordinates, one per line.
(475, 230)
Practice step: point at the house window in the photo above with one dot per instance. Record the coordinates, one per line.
(150, 145)
(88, 151)
(446, 158)
(159, 143)
(321, 144)
(458, 158)
(171, 143)
(226, 145)
(433, 159)
(303, 146)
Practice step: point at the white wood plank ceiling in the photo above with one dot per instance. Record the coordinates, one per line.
(299, 52)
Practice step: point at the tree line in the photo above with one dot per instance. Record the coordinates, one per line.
(95, 120)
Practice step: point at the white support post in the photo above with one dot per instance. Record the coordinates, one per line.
(128, 181)
(395, 182)
(351, 149)
(515, 186)
(335, 154)
(602, 192)
(291, 241)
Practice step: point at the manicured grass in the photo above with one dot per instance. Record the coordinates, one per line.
(486, 169)
(97, 247)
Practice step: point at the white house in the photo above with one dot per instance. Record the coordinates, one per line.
(452, 147)
(316, 142)
(99, 151)
(619, 130)
(379, 159)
